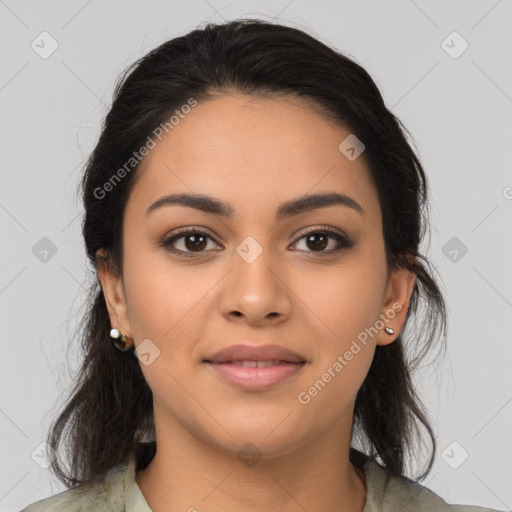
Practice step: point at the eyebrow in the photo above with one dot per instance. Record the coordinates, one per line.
(290, 208)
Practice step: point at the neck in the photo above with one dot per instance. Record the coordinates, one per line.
(187, 474)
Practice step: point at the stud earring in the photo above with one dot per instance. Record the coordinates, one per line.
(121, 342)
(389, 330)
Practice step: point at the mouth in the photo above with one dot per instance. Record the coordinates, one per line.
(252, 375)
(253, 367)
(258, 364)
(243, 353)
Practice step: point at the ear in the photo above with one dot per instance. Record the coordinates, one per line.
(396, 304)
(113, 291)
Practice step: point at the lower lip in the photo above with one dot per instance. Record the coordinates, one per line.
(256, 379)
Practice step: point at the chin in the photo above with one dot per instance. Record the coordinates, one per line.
(257, 440)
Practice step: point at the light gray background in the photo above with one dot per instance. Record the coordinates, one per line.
(457, 109)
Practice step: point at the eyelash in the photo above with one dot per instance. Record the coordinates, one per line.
(342, 241)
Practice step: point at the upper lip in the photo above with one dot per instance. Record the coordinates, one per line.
(255, 353)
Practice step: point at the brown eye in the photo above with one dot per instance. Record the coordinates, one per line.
(316, 241)
(196, 242)
(191, 241)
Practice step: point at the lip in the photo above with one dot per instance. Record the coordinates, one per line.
(256, 379)
(244, 352)
(224, 364)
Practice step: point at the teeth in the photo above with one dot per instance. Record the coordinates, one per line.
(254, 364)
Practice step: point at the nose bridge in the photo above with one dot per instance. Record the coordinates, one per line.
(255, 288)
(254, 266)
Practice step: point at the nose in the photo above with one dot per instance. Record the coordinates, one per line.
(256, 293)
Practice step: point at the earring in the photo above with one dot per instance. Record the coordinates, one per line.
(389, 330)
(121, 342)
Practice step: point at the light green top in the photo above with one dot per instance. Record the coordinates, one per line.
(119, 492)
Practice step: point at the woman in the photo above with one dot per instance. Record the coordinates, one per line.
(253, 213)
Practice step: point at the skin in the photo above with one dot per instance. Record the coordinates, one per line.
(253, 153)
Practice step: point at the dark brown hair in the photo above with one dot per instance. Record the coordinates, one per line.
(108, 414)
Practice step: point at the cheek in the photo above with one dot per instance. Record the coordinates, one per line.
(159, 294)
(344, 300)
(345, 307)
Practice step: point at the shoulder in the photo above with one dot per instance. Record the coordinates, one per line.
(387, 493)
(105, 496)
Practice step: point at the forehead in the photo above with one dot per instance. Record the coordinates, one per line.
(250, 151)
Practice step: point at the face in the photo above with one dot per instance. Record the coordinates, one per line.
(252, 277)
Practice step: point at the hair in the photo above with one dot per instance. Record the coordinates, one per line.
(109, 411)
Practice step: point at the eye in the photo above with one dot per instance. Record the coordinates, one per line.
(318, 239)
(193, 241)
